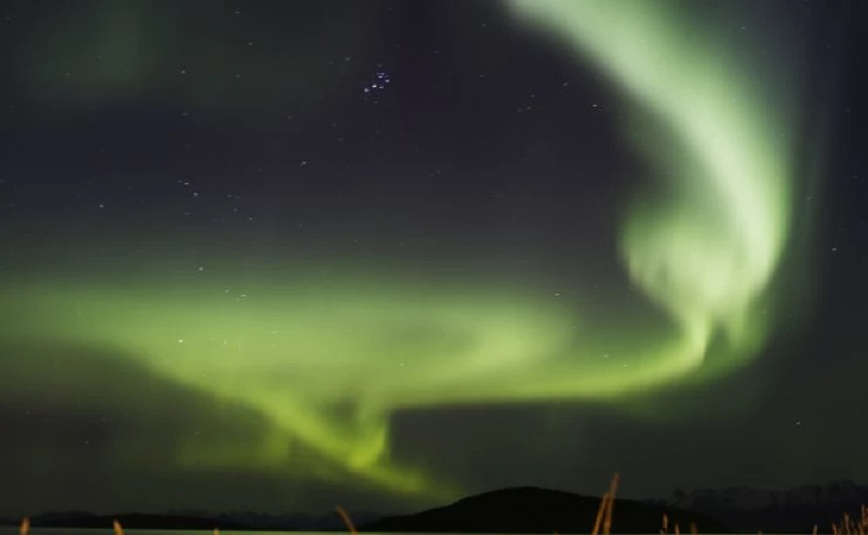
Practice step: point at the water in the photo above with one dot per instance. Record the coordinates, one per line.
(10, 530)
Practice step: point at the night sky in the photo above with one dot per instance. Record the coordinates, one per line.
(275, 256)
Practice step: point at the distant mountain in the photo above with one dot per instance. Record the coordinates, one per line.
(139, 521)
(839, 493)
(59, 516)
(50, 519)
(798, 509)
(536, 510)
(197, 520)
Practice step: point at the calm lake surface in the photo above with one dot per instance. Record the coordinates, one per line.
(7, 530)
(10, 530)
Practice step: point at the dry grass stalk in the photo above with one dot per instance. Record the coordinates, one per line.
(863, 525)
(694, 530)
(677, 529)
(119, 530)
(815, 530)
(607, 520)
(216, 531)
(24, 529)
(665, 529)
(347, 520)
(600, 512)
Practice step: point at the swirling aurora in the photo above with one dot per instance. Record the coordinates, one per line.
(327, 362)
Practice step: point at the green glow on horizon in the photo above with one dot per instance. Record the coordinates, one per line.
(301, 357)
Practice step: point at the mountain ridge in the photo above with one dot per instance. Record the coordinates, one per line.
(740, 508)
(751, 509)
(537, 510)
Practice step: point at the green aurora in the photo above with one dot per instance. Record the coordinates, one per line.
(327, 363)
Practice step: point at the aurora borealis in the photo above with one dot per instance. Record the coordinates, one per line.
(244, 257)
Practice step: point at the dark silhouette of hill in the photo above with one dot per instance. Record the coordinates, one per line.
(536, 510)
